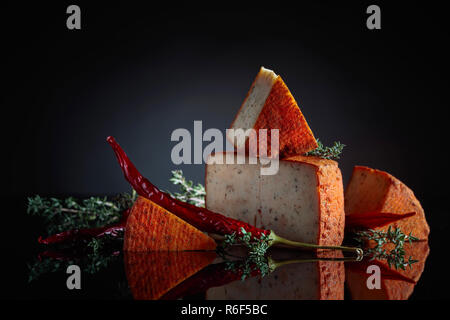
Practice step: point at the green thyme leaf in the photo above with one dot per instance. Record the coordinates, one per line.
(97, 255)
(331, 153)
(70, 213)
(394, 257)
(190, 193)
(256, 248)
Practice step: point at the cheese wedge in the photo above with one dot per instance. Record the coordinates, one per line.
(304, 201)
(150, 275)
(392, 287)
(319, 280)
(371, 190)
(270, 105)
(152, 228)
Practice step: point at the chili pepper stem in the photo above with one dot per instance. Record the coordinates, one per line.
(274, 264)
(275, 239)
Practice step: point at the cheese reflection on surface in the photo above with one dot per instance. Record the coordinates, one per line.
(395, 284)
(316, 280)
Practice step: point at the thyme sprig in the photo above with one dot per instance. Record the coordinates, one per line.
(190, 193)
(70, 213)
(394, 257)
(331, 153)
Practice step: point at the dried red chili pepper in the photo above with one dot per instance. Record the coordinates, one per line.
(371, 220)
(386, 273)
(214, 275)
(87, 233)
(201, 218)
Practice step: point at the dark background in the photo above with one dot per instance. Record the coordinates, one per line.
(138, 72)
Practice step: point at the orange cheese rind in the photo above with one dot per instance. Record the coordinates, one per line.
(151, 274)
(270, 105)
(371, 190)
(331, 199)
(282, 112)
(152, 228)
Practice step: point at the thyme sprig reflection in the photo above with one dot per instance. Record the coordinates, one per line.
(257, 261)
(266, 264)
(92, 256)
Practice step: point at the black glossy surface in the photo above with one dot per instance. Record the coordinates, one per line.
(139, 73)
(111, 282)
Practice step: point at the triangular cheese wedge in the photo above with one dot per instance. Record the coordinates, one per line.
(150, 275)
(371, 190)
(270, 105)
(152, 228)
(371, 220)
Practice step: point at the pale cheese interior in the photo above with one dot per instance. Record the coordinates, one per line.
(291, 282)
(287, 202)
(253, 104)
